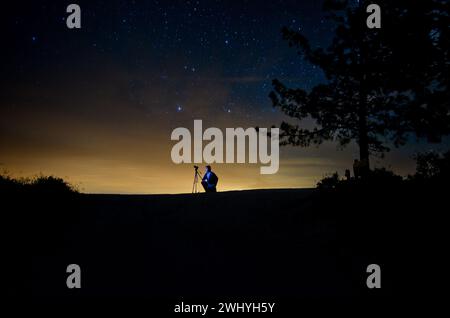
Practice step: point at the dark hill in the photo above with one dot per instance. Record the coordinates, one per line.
(300, 244)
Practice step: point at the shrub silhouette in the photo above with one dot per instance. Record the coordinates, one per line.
(382, 175)
(8, 183)
(379, 177)
(51, 184)
(432, 168)
(39, 185)
(432, 165)
(38, 210)
(329, 182)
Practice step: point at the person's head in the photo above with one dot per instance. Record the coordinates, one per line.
(208, 168)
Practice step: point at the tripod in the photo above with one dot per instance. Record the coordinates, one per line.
(195, 184)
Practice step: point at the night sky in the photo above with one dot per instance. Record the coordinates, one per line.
(96, 106)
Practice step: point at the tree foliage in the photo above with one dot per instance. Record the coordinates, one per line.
(382, 87)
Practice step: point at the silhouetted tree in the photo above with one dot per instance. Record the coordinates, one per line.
(383, 85)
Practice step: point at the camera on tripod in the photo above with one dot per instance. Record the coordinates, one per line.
(197, 175)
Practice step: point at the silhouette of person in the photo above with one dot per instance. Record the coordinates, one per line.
(356, 169)
(209, 181)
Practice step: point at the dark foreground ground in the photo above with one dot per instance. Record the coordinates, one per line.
(287, 246)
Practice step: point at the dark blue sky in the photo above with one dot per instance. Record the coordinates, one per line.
(174, 39)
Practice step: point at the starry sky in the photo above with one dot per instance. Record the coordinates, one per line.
(97, 105)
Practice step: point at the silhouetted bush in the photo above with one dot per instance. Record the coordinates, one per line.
(8, 183)
(39, 184)
(382, 175)
(432, 165)
(38, 211)
(376, 177)
(329, 182)
(51, 184)
(432, 168)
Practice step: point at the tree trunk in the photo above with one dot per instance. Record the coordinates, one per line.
(363, 140)
(363, 147)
